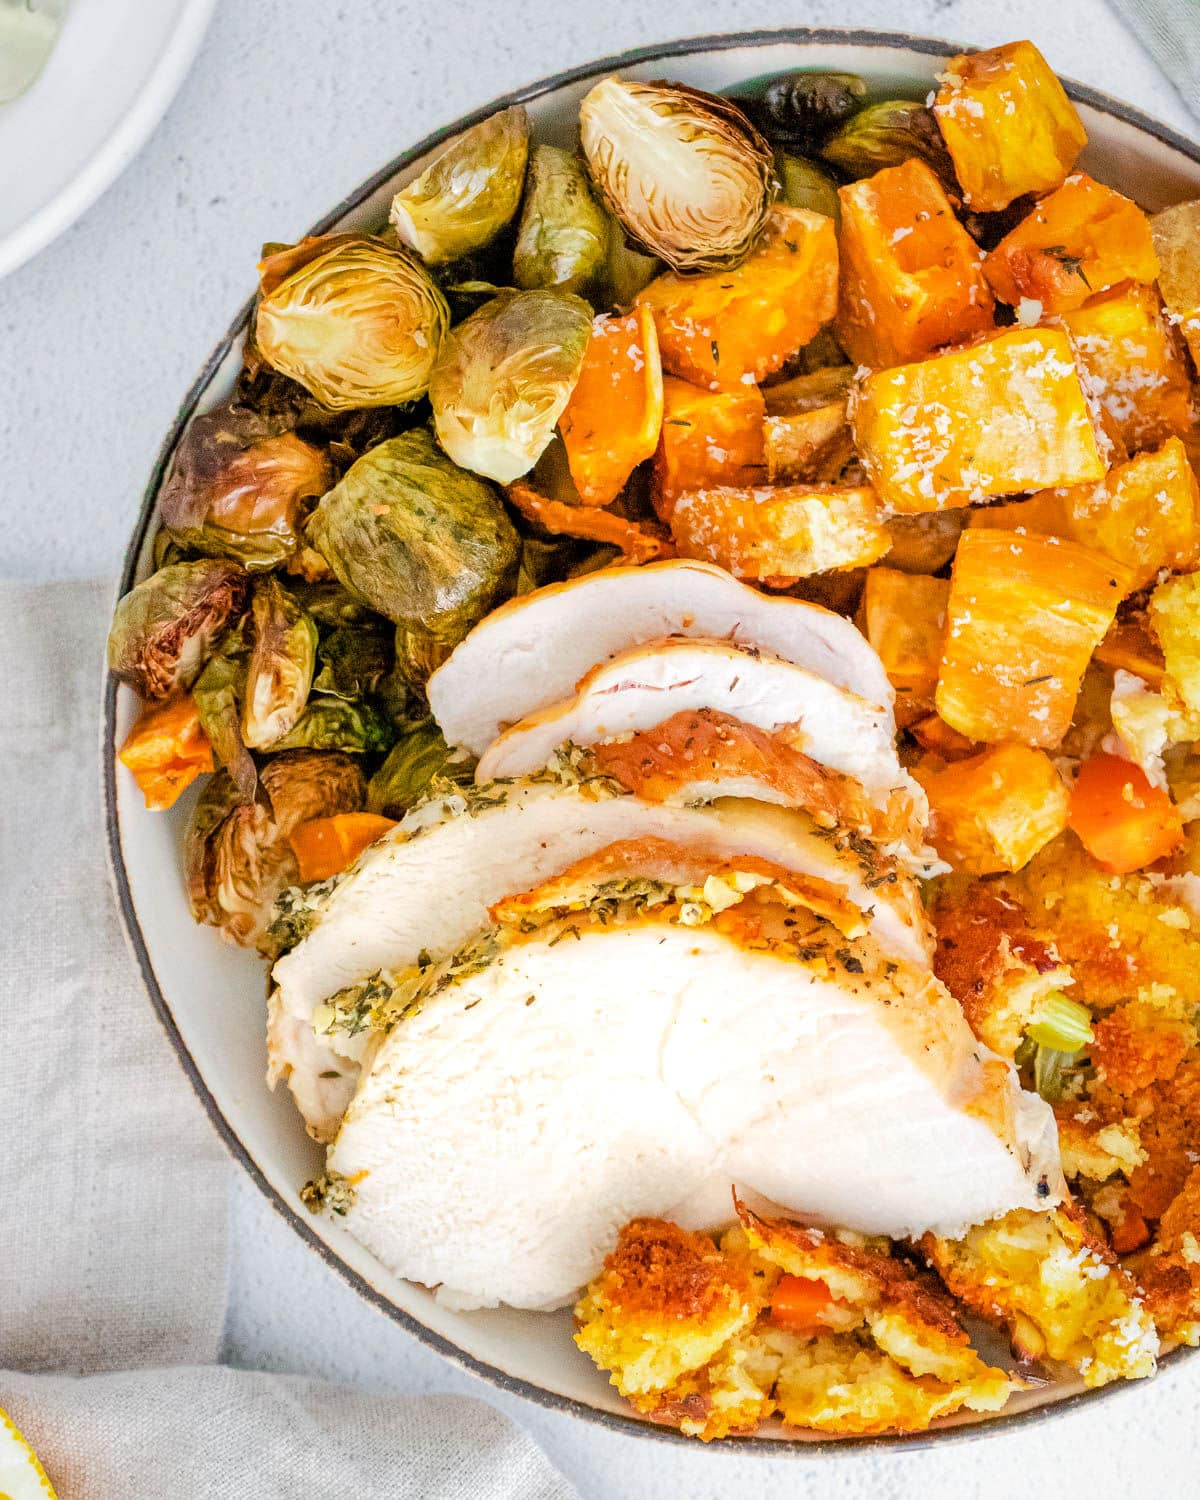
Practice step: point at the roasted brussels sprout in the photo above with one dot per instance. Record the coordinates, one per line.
(355, 321)
(562, 239)
(218, 694)
(469, 193)
(339, 724)
(419, 754)
(355, 659)
(424, 543)
(237, 857)
(165, 629)
(329, 603)
(800, 109)
(803, 184)
(236, 486)
(884, 135)
(280, 670)
(504, 376)
(627, 271)
(685, 172)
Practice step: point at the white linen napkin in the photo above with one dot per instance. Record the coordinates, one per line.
(1170, 32)
(114, 1189)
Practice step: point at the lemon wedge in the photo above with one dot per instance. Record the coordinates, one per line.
(21, 1476)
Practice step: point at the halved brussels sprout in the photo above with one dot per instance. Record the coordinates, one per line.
(357, 322)
(886, 134)
(425, 544)
(339, 724)
(236, 486)
(803, 184)
(562, 239)
(685, 172)
(280, 671)
(627, 271)
(419, 754)
(165, 629)
(469, 193)
(236, 855)
(330, 603)
(800, 109)
(504, 376)
(218, 695)
(354, 659)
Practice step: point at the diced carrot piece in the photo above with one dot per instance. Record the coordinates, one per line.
(324, 847)
(1130, 646)
(904, 618)
(1122, 821)
(1005, 414)
(612, 421)
(729, 328)
(996, 810)
(1176, 234)
(936, 736)
(166, 750)
(808, 447)
(1081, 240)
(708, 438)
(1025, 615)
(1008, 125)
(911, 275)
(781, 533)
(801, 1304)
(1129, 355)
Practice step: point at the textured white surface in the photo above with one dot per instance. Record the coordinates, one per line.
(291, 103)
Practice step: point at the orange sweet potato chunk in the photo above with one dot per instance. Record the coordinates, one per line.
(911, 277)
(904, 618)
(1024, 616)
(1008, 125)
(778, 534)
(1082, 239)
(166, 750)
(994, 811)
(995, 417)
(612, 421)
(725, 329)
(1132, 361)
(708, 438)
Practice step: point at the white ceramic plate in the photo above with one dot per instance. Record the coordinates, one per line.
(114, 70)
(210, 996)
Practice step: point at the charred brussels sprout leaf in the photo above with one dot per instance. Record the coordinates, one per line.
(218, 694)
(884, 135)
(562, 239)
(280, 670)
(686, 173)
(236, 855)
(330, 604)
(468, 194)
(802, 184)
(236, 488)
(357, 322)
(419, 755)
(338, 724)
(355, 659)
(425, 544)
(165, 629)
(800, 109)
(504, 376)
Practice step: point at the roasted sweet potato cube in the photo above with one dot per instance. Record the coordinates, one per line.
(904, 618)
(995, 811)
(1008, 125)
(1131, 360)
(1176, 234)
(1174, 616)
(1082, 239)
(1044, 514)
(1131, 647)
(1025, 615)
(911, 275)
(727, 328)
(707, 438)
(612, 421)
(801, 393)
(166, 750)
(1005, 414)
(780, 533)
(808, 446)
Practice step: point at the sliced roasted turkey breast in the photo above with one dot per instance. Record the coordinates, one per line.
(533, 651)
(643, 1059)
(650, 683)
(427, 886)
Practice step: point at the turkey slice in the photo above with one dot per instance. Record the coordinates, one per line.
(566, 1080)
(531, 652)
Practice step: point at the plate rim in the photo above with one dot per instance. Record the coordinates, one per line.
(626, 1423)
